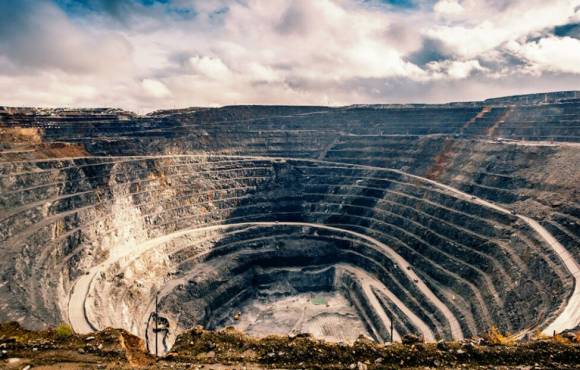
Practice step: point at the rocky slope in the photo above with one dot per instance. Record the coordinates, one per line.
(439, 220)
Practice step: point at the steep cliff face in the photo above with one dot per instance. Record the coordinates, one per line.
(440, 220)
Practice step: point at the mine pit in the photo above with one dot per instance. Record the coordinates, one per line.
(440, 221)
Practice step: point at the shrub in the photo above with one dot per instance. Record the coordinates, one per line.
(538, 335)
(495, 337)
(561, 339)
(63, 331)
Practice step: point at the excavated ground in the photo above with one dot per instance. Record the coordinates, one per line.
(437, 220)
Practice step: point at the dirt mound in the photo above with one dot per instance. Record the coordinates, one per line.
(60, 346)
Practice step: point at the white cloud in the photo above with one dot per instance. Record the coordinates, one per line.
(155, 88)
(213, 68)
(39, 36)
(448, 7)
(262, 73)
(282, 52)
(487, 26)
(454, 69)
(556, 54)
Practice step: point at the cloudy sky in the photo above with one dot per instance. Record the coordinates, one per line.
(147, 54)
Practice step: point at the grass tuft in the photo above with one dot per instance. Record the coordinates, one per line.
(495, 337)
(63, 331)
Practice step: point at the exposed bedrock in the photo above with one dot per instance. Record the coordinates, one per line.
(436, 220)
(212, 233)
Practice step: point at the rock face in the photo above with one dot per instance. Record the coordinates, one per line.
(433, 220)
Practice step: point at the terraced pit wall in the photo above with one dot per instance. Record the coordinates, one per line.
(417, 215)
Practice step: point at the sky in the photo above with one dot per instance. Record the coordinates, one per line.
(143, 55)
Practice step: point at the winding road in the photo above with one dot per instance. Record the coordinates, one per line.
(368, 284)
(80, 322)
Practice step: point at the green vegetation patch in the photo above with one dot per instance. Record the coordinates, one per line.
(318, 300)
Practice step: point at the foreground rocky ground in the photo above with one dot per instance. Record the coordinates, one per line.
(230, 349)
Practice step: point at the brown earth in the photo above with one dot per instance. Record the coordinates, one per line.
(230, 349)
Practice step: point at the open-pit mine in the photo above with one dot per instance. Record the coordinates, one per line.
(384, 220)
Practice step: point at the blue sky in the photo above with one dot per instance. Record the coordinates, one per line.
(148, 54)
